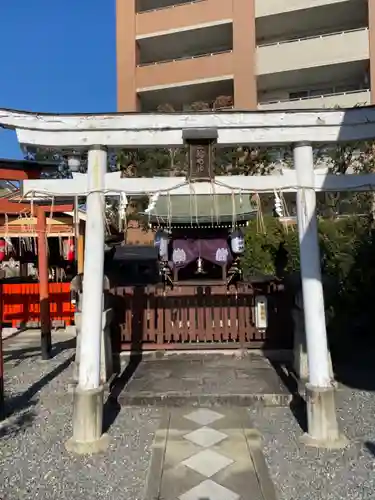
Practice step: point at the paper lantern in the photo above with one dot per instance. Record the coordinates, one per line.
(161, 242)
(237, 242)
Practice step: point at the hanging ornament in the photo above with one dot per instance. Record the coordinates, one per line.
(161, 242)
(278, 208)
(152, 203)
(123, 204)
(2, 249)
(200, 269)
(237, 242)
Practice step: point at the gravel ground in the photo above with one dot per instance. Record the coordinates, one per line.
(305, 473)
(35, 465)
(33, 461)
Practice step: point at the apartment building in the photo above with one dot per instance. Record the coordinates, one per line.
(266, 54)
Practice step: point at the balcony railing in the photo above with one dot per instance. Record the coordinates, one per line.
(310, 97)
(184, 58)
(173, 6)
(313, 37)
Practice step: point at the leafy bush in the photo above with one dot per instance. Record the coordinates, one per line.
(339, 241)
(347, 250)
(261, 247)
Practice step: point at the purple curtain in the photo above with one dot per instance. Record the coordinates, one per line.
(184, 252)
(212, 250)
(216, 251)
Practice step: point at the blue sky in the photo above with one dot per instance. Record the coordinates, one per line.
(56, 56)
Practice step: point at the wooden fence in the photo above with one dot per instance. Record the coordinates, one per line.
(204, 315)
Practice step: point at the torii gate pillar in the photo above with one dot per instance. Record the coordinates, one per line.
(88, 396)
(322, 426)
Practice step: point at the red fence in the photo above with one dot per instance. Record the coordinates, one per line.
(20, 304)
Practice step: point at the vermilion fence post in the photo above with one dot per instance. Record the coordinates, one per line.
(45, 317)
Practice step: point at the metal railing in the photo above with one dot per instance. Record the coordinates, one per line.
(309, 98)
(312, 37)
(184, 58)
(173, 6)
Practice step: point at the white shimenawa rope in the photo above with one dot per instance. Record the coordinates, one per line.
(190, 206)
(233, 211)
(216, 203)
(123, 204)
(261, 227)
(169, 223)
(196, 207)
(44, 193)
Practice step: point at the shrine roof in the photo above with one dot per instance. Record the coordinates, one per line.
(202, 209)
(14, 164)
(19, 170)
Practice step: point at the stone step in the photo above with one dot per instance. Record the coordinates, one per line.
(171, 400)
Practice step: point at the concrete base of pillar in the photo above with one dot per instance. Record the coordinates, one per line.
(88, 423)
(323, 430)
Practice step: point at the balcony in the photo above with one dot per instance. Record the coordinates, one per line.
(150, 5)
(340, 100)
(181, 96)
(324, 18)
(182, 16)
(185, 44)
(265, 8)
(185, 71)
(313, 52)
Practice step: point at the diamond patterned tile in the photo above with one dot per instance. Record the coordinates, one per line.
(209, 490)
(205, 437)
(204, 416)
(207, 462)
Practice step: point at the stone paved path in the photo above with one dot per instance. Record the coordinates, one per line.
(205, 379)
(205, 454)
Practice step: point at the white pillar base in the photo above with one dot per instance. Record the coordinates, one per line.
(323, 430)
(88, 423)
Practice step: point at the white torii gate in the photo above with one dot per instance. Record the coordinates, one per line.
(97, 133)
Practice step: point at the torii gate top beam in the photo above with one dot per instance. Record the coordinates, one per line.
(126, 130)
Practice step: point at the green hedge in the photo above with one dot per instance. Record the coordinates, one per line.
(339, 240)
(348, 264)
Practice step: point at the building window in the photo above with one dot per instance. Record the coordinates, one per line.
(298, 95)
(321, 91)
